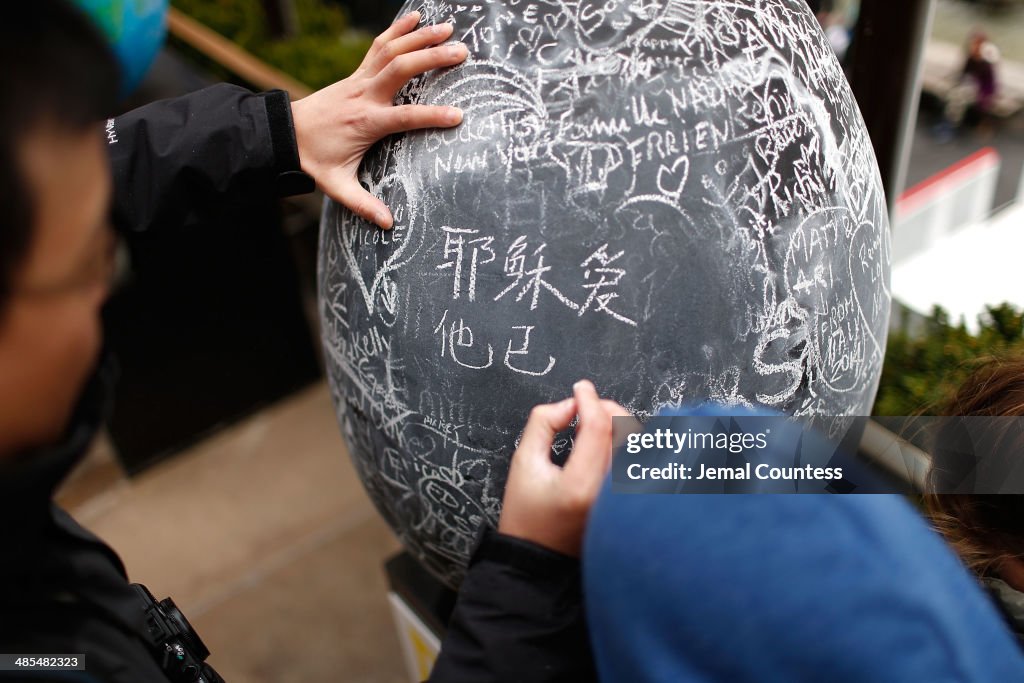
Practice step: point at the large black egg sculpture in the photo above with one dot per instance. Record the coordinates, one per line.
(675, 199)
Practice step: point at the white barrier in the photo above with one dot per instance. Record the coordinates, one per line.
(960, 196)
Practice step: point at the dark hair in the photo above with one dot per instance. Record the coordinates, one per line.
(55, 69)
(985, 530)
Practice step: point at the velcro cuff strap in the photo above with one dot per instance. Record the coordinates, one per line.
(291, 180)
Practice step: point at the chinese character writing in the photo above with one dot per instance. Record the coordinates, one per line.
(524, 350)
(456, 242)
(598, 266)
(515, 267)
(457, 338)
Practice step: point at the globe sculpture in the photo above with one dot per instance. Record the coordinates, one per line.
(677, 200)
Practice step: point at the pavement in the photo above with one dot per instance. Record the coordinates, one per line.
(264, 538)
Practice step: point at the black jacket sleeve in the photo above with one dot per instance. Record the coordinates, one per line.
(518, 618)
(180, 160)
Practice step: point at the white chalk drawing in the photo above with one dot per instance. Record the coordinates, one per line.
(675, 198)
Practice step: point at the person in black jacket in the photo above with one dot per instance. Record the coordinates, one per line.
(62, 590)
(176, 159)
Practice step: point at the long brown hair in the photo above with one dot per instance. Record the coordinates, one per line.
(985, 530)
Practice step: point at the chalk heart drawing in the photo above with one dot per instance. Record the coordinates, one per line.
(676, 199)
(349, 233)
(671, 180)
(555, 23)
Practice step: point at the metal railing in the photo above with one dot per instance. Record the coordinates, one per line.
(232, 57)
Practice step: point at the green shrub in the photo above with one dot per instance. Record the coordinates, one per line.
(923, 368)
(324, 50)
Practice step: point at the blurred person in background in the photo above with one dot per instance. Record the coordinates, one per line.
(833, 23)
(970, 102)
(64, 172)
(980, 70)
(986, 531)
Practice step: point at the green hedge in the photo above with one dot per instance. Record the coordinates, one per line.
(325, 49)
(924, 367)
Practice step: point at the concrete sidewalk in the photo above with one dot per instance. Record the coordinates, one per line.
(265, 539)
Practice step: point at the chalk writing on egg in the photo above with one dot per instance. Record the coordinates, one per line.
(676, 199)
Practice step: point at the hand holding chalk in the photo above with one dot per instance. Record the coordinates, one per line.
(548, 504)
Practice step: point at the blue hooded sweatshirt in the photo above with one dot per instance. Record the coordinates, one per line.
(784, 588)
